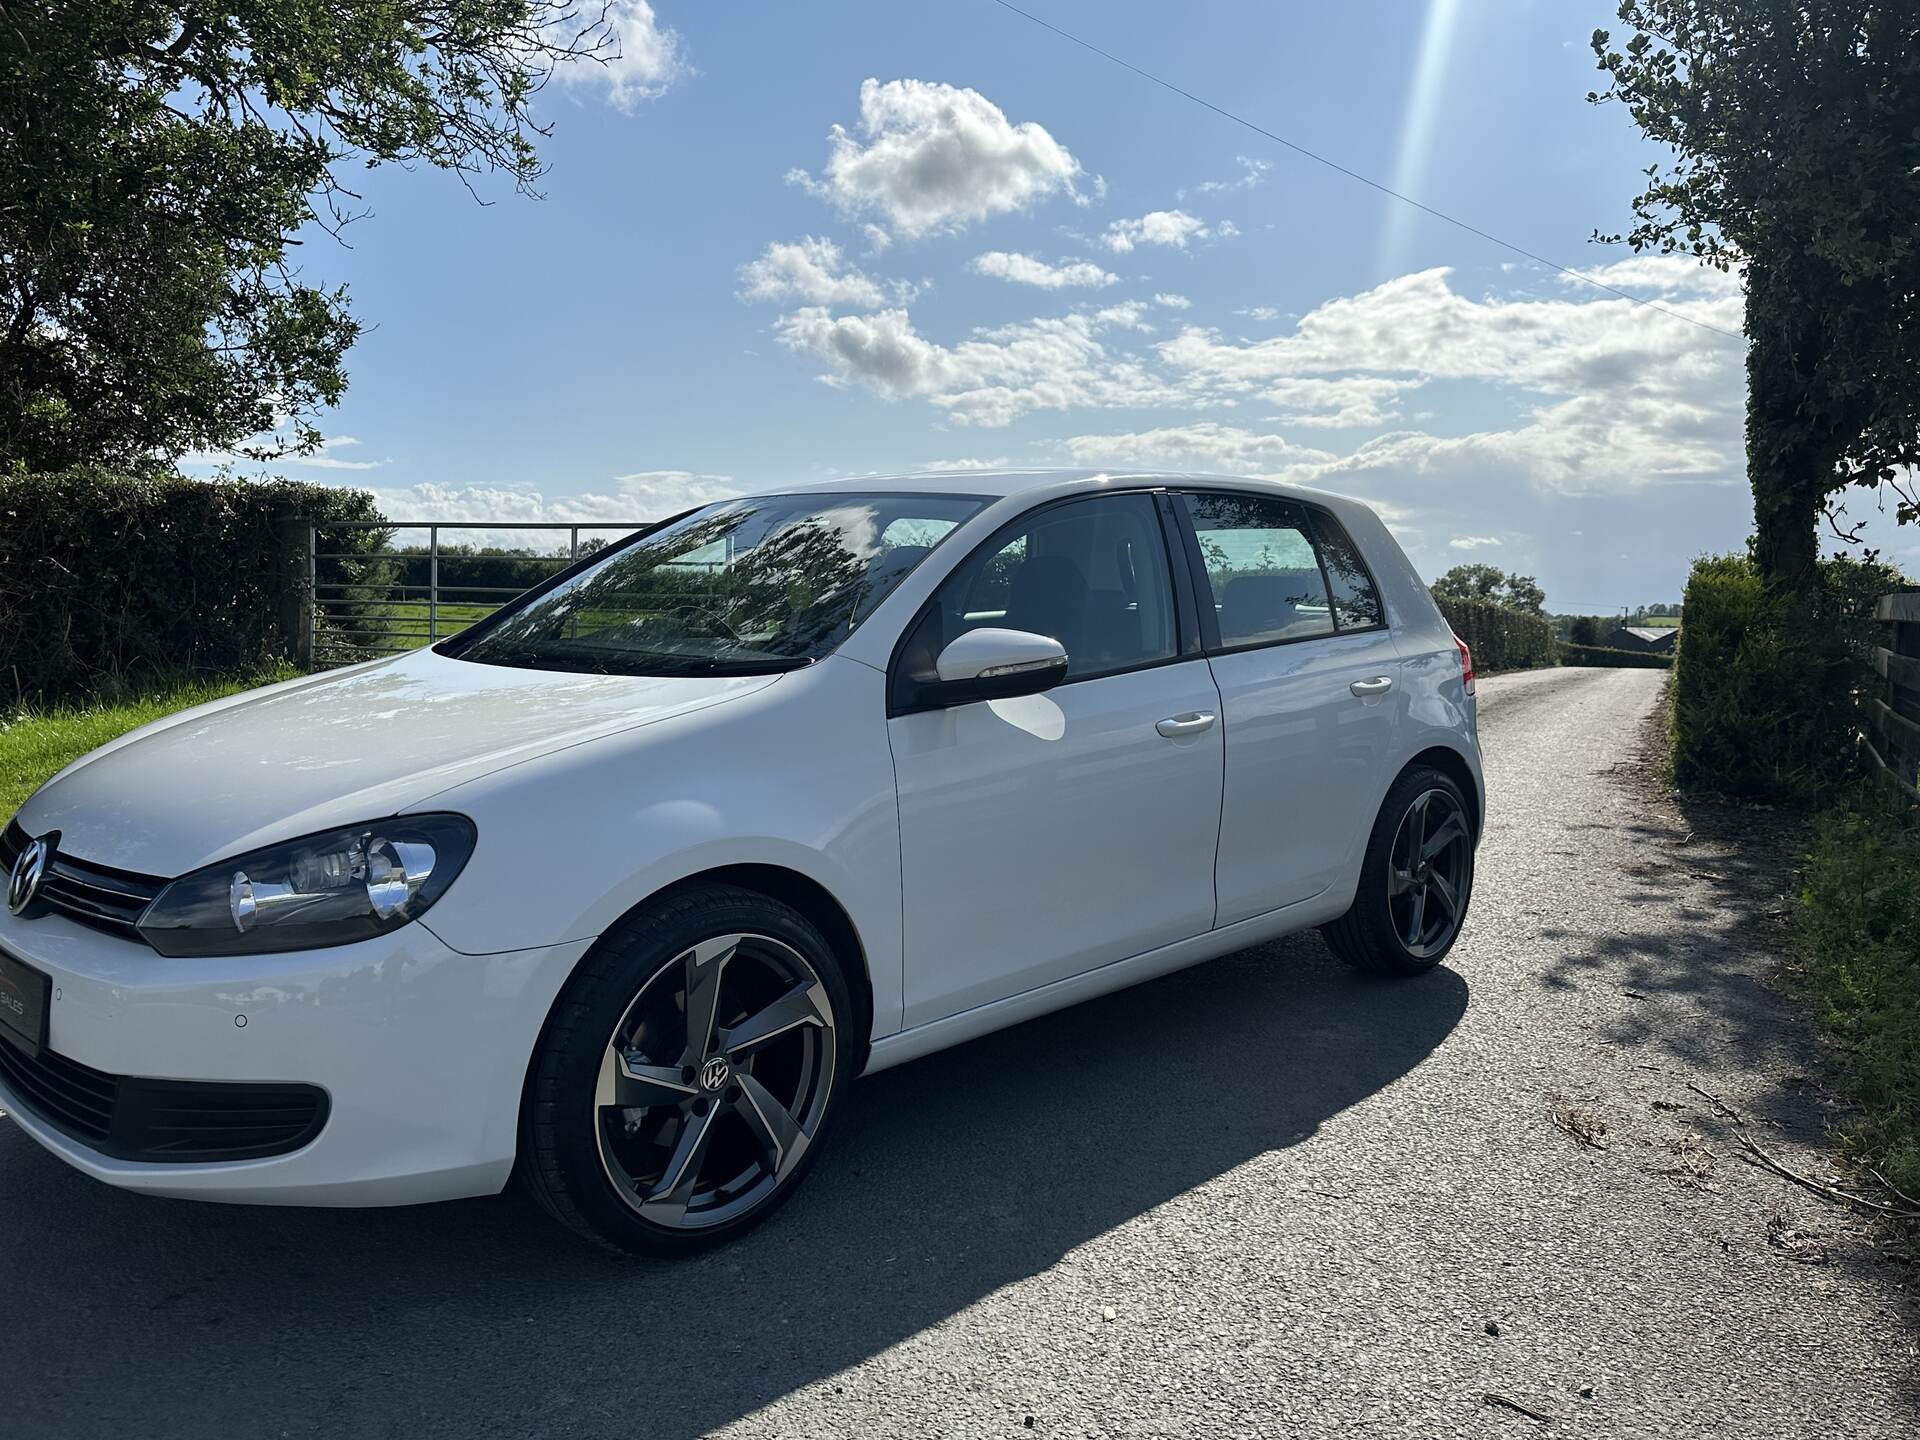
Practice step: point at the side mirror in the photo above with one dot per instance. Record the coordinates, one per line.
(997, 665)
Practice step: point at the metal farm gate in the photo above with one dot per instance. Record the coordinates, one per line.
(378, 587)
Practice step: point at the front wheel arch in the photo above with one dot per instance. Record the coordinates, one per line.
(777, 882)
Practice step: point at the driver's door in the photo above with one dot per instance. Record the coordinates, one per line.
(1054, 833)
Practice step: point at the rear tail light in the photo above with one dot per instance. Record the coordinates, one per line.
(1466, 664)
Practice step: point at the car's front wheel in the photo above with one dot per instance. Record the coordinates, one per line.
(1415, 880)
(688, 1073)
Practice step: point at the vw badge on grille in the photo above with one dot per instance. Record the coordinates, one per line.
(24, 884)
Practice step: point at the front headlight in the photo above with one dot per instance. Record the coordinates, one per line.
(327, 889)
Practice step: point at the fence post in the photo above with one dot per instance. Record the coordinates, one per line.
(296, 599)
(433, 583)
(310, 646)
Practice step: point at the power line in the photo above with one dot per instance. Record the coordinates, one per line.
(1387, 190)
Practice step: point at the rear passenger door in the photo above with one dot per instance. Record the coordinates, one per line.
(1307, 671)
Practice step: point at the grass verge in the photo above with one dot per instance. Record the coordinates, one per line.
(35, 744)
(1859, 922)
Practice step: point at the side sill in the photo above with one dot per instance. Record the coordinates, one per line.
(950, 1030)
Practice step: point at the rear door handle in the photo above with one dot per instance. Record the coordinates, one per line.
(1379, 685)
(1191, 723)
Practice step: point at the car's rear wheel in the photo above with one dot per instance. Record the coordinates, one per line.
(688, 1074)
(1415, 881)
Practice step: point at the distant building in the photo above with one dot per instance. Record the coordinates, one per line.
(1657, 639)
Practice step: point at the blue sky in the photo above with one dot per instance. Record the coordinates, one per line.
(781, 243)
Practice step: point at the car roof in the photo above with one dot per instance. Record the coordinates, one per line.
(999, 483)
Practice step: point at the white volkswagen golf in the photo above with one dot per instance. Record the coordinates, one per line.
(622, 887)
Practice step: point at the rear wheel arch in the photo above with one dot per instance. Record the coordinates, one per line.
(1454, 766)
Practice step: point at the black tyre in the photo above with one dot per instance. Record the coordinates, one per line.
(688, 1074)
(1415, 882)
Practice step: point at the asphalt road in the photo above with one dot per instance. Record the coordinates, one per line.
(1259, 1197)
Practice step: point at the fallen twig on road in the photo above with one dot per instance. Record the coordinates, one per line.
(1493, 1398)
(1807, 1182)
(1582, 1125)
(1893, 1187)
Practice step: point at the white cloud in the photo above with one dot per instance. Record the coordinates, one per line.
(1202, 446)
(998, 462)
(647, 60)
(1612, 396)
(1252, 172)
(1260, 312)
(1156, 227)
(326, 457)
(1127, 315)
(878, 238)
(1473, 542)
(1172, 301)
(1056, 363)
(1337, 402)
(1026, 270)
(644, 496)
(812, 271)
(1659, 275)
(934, 157)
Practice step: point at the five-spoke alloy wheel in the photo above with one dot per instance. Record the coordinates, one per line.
(1415, 880)
(689, 1072)
(715, 1080)
(1432, 863)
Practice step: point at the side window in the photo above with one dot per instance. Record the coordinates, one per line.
(1092, 574)
(1356, 604)
(1261, 568)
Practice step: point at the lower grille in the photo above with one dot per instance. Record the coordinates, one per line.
(180, 1121)
(97, 895)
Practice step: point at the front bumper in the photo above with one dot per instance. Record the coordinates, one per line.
(422, 1052)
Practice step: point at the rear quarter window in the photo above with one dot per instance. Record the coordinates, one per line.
(1350, 587)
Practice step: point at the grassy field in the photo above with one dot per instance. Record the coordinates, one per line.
(34, 745)
(403, 625)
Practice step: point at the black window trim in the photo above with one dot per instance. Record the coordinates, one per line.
(1197, 568)
(1186, 601)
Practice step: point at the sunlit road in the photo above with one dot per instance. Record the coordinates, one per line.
(1259, 1197)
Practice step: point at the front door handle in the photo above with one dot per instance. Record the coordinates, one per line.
(1379, 685)
(1191, 723)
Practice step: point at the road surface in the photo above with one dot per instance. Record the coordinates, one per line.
(1259, 1197)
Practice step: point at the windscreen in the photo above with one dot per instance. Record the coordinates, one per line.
(742, 587)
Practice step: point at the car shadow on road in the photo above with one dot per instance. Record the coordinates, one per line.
(949, 1178)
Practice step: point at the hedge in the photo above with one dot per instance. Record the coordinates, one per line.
(1501, 638)
(109, 580)
(1765, 680)
(1606, 655)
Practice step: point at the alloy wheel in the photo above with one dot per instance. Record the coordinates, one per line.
(1431, 868)
(715, 1081)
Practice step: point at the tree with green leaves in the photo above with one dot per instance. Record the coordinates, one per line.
(1795, 128)
(1492, 586)
(161, 162)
